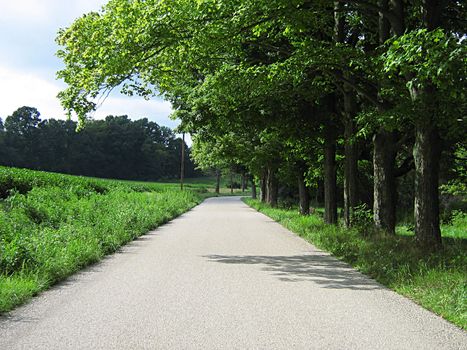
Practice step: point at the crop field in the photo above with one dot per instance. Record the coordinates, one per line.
(52, 225)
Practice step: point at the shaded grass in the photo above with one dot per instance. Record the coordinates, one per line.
(456, 228)
(54, 225)
(437, 281)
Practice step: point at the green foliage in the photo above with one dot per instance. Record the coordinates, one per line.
(436, 281)
(52, 225)
(457, 227)
(21, 181)
(262, 83)
(429, 57)
(116, 147)
(362, 218)
(455, 187)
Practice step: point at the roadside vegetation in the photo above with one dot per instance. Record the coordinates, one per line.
(437, 281)
(350, 102)
(52, 225)
(116, 147)
(358, 105)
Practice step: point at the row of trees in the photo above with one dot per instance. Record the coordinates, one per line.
(116, 147)
(314, 90)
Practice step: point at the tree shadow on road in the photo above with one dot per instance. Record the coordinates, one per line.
(318, 268)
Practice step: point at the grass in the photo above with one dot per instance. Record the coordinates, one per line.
(52, 225)
(437, 281)
(210, 181)
(456, 228)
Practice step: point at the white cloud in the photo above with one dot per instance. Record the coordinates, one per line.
(27, 61)
(26, 89)
(37, 11)
(30, 10)
(156, 110)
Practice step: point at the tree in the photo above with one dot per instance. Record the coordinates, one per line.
(116, 147)
(21, 135)
(23, 121)
(3, 153)
(244, 64)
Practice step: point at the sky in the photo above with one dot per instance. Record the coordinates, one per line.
(28, 63)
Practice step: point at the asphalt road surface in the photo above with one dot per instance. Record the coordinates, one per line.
(223, 276)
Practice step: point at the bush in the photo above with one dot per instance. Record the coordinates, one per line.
(362, 219)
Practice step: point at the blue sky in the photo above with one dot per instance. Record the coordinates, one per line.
(28, 64)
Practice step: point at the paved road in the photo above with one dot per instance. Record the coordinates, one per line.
(223, 277)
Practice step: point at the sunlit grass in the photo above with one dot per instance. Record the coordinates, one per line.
(52, 225)
(457, 228)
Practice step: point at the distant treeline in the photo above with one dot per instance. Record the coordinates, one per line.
(116, 147)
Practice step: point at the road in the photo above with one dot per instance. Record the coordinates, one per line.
(223, 276)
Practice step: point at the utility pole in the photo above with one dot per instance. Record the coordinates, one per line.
(182, 162)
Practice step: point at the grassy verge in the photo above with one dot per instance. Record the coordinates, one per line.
(436, 281)
(456, 228)
(52, 225)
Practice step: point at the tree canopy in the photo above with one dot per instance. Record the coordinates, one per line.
(115, 147)
(312, 90)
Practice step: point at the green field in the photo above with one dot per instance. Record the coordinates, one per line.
(437, 281)
(52, 225)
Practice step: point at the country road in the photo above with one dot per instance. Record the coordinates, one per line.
(223, 276)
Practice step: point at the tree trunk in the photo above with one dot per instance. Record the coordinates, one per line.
(253, 187)
(231, 182)
(351, 199)
(384, 27)
(243, 182)
(384, 142)
(427, 151)
(182, 162)
(384, 188)
(263, 189)
(319, 198)
(304, 195)
(350, 111)
(273, 188)
(330, 186)
(426, 154)
(218, 180)
(268, 190)
(397, 20)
